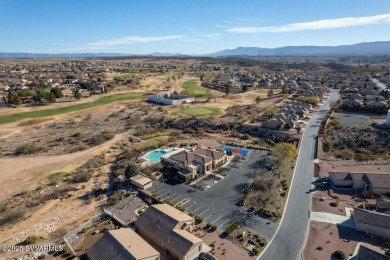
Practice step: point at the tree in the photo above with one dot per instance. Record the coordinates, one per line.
(270, 93)
(284, 90)
(41, 95)
(310, 100)
(284, 151)
(244, 88)
(13, 99)
(228, 89)
(51, 98)
(385, 93)
(17, 100)
(258, 99)
(41, 84)
(77, 94)
(201, 77)
(57, 92)
(131, 170)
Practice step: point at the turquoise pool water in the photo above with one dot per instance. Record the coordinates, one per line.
(155, 155)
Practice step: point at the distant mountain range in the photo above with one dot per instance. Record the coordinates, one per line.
(365, 48)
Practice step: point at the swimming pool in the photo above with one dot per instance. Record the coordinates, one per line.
(155, 155)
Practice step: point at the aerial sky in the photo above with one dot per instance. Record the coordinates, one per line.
(187, 26)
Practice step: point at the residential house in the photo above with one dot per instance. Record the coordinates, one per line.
(192, 163)
(365, 251)
(169, 229)
(374, 98)
(374, 182)
(372, 222)
(122, 244)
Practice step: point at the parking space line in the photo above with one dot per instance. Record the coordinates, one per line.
(223, 223)
(170, 195)
(203, 212)
(163, 193)
(190, 206)
(188, 200)
(198, 208)
(216, 219)
(208, 216)
(172, 200)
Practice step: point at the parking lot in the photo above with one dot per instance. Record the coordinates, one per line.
(219, 203)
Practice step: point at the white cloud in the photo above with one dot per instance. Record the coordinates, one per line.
(213, 35)
(317, 25)
(136, 39)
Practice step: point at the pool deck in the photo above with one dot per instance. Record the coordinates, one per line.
(148, 162)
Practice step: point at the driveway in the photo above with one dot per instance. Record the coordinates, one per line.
(290, 237)
(218, 204)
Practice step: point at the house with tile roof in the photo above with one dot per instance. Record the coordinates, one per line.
(366, 251)
(122, 244)
(372, 222)
(374, 182)
(191, 163)
(169, 229)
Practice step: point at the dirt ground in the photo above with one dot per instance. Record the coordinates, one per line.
(18, 174)
(225, 249)
(57, 217)
(331, 238)
(346, 199)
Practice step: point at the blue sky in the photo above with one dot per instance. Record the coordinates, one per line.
(187, 26)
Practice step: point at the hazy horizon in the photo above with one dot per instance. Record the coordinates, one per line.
(193, 28)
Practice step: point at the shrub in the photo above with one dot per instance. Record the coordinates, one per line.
(339, 254)
(168, 202)
(214, 227)
(267, 213)
(82, 177)
(10, 216)
(180, 208)
(256, 250)
(28, 149)
(232, 227)
(319, 248)
(199, 219)
(31, 239)
(334, 203)
(283, 193)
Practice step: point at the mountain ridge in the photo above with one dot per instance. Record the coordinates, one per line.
(364, 48)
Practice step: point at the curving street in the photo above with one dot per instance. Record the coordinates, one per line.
(291, 234)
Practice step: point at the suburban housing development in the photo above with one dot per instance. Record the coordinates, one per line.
(207, 130)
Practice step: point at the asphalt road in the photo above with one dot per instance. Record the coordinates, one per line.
(290, 237)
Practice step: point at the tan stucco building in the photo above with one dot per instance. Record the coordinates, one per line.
(169, 229)
(191, 163)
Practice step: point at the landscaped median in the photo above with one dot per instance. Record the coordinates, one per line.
(15, 117)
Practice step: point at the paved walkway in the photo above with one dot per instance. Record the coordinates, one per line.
(332, 219)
